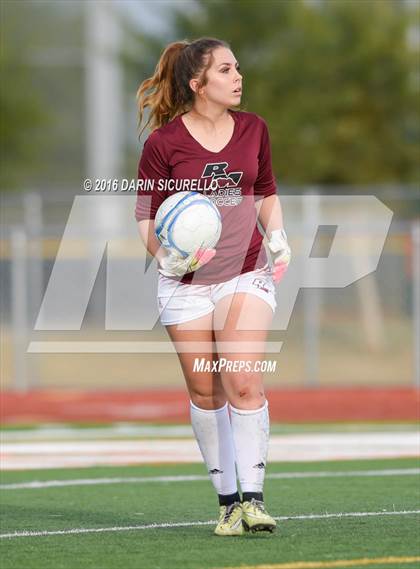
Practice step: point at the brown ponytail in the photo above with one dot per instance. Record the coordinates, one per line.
(170, 93)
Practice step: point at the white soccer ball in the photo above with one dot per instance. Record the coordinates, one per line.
(186, 221)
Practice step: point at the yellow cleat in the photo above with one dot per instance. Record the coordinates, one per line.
(255, 518)
(230, 520)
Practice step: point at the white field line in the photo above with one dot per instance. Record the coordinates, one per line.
(117, 431)
(282, 448)
(192, 524)
(39, 484)
(121, 430)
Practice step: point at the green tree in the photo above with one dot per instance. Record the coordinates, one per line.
(20, 111)
(336, 80)
(41, 94)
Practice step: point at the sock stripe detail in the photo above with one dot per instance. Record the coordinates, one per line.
(208, 410)
(249, 411)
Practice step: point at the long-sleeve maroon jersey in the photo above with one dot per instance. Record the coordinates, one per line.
(233, 178)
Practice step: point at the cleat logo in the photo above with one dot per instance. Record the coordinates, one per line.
(215, 471)
(260, 466)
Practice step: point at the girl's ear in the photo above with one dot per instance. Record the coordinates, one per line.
(194, 85)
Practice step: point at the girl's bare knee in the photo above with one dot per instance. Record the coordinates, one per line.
(209, 394)
(208, 402)
(246, 392)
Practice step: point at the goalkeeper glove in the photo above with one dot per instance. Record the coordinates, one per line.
(174, 265)
(279, 246)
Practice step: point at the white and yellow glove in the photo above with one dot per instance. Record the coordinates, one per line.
(174, 265)
(279, 246)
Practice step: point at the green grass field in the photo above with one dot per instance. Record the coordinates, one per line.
(131, 518)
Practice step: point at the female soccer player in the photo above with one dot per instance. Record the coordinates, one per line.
(217, 304)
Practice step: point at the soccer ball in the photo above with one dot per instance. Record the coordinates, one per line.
(187, 221)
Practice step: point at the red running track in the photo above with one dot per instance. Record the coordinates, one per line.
(172, 406)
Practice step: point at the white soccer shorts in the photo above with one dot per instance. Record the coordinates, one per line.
(179, 302)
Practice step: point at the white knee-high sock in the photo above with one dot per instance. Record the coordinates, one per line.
(213, 432)
(251, 429)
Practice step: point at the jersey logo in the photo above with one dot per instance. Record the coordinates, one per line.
(217, 171)
(224, 185)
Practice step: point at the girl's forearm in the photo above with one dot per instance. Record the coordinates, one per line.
(270, 214)
(151, 242)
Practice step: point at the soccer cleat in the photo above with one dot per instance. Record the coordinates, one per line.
(230, 520)
(255, 518)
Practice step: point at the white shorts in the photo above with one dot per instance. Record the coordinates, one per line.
(179, 302)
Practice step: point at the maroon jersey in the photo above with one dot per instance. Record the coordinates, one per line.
(234, 178)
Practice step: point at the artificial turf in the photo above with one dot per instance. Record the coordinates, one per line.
(194, 546)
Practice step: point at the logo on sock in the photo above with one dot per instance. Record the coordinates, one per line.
(260, 465)
(215, 471)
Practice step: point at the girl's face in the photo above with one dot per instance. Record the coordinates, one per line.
(224, 82)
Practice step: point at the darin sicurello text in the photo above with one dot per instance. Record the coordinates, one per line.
(181, 185)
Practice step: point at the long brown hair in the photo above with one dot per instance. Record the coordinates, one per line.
(170, 93)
